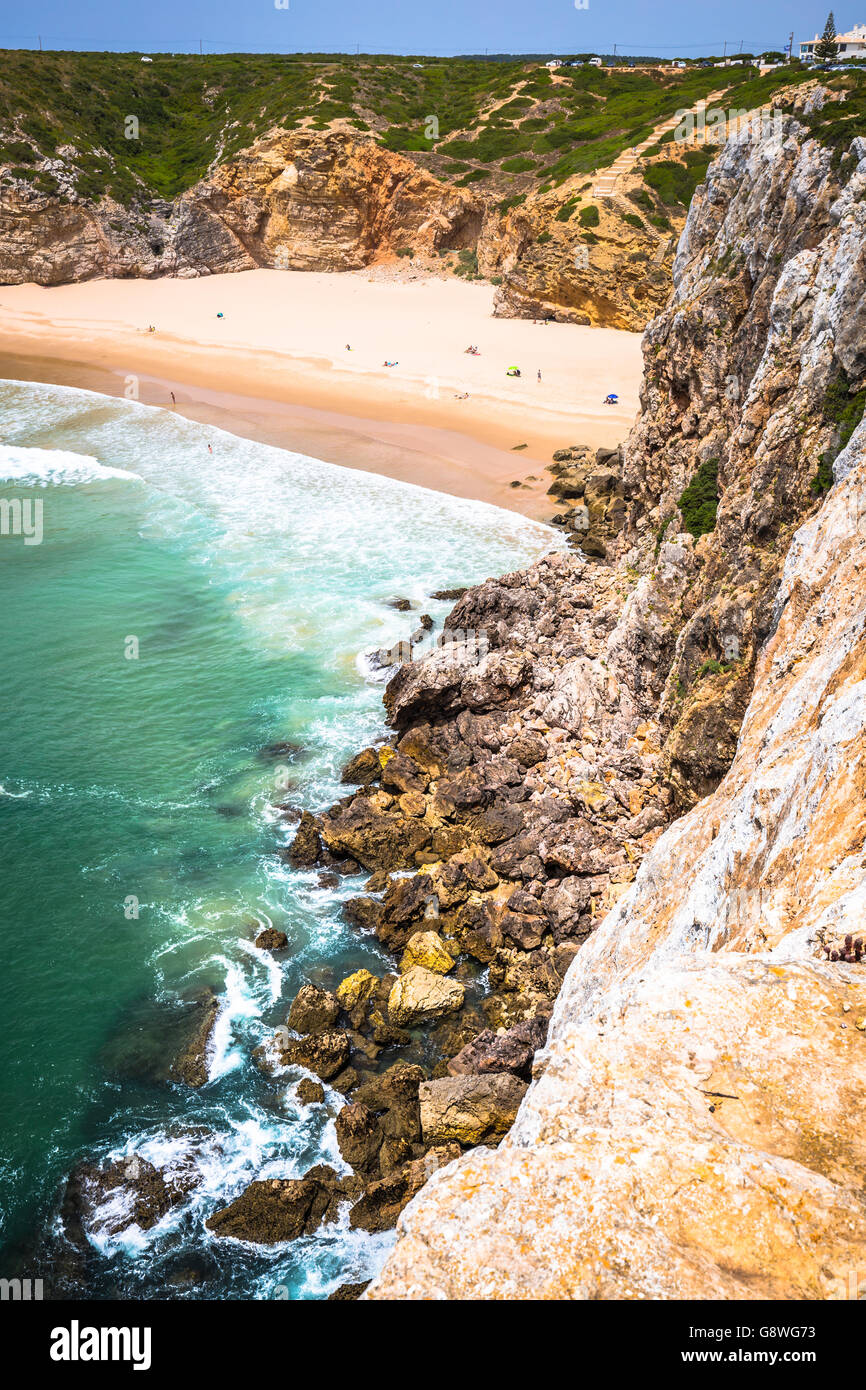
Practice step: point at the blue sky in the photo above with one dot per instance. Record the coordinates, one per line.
(416, 26)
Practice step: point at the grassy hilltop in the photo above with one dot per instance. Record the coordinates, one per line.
(511, 127)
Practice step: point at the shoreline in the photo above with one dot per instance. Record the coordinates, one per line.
(425, 455)
(407, 425)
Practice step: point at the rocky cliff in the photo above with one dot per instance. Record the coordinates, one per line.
(300, 201)
(692, 1126)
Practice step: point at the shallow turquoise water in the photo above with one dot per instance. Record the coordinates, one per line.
(252, 580)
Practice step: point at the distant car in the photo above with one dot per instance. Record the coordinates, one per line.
(147, 60)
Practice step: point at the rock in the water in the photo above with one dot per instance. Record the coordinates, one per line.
(313, 1010)
(190, 1064)
(128, 1192)
(310, 1092)
(347, 1293)
(271, 940)
(306, 847)
(278, 1209)
(324, 1054)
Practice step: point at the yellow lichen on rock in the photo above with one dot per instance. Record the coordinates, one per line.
(427, 949)
(356, 988)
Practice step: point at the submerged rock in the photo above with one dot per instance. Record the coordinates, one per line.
(190, 1064)
(271, 940)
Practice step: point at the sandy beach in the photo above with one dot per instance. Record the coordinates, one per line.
(297, 360)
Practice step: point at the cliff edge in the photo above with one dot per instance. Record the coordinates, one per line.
(692, 1126)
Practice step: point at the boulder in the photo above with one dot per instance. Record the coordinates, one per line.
(325, 1054)
(384, 1199)
(381, 1204)
(359, 1137)
(376, 838)
(401, 774)
(365, 913)
(420, 995)
(527, 931)
(469, 1109)
(310, 1092)
(393, 1097)
(313, 1010)
(277, 1209)
(306, 847)
(426, 948)
(356, 989)
(490, 1052)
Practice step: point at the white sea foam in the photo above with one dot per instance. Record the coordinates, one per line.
(55, 467)
(307, 554)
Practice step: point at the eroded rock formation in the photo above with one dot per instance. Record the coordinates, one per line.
(300, 201)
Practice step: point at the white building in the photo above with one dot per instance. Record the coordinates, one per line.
(850, 45)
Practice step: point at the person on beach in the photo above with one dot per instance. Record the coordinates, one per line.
(539, 374)
(173, 401)
(210, 448)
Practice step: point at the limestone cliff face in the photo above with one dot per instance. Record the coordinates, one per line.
(751, 378)
(617, 279)
(692, 1129)
(694, 1126)
(300, 201)
(326, 202)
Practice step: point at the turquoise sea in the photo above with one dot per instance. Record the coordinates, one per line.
(184, 610)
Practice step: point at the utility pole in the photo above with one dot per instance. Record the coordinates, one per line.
(40, 43)
(790, 45)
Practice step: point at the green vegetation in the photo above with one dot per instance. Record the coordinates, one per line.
(675, 183)
(838, 122)
(467, 265)
(699, 503)
(713, 667)
(588, 216)
(463, 118)
(660, 536)
(844, 411)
